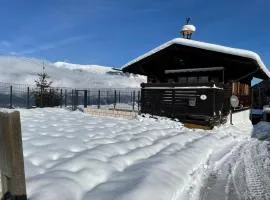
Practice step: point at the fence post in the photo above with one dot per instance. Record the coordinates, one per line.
(76, 100)
(107, 97)
(98, 99)
(114, 99)
(51, 99)
(61, 99)
(72, 100)
(10, 97)
(131, 97)
(41, 97)
(65, 97)
(119, 97)
(133, 101)
(89, 97)
(139, 99)
(28, 98)
(85, 98)
(11, 157)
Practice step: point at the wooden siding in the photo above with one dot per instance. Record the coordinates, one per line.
(240, 89)
(178, 103)
(243, 92)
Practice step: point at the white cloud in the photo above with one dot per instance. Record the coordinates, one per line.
(5, 43)
(53, 45)
(13, 53)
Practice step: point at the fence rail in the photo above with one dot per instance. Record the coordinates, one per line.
(23, 96)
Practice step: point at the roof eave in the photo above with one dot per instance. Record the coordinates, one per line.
(206, 46)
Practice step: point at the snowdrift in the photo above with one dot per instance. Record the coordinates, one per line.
(262, 131)
(107, 158)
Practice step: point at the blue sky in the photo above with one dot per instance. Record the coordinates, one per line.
(112, 32)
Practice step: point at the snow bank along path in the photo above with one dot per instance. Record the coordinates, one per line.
(72, 156)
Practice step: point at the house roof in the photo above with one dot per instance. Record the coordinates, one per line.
(246, 55)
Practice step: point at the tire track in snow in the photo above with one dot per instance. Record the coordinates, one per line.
(244, 174)
(257, 182)
(219, 181)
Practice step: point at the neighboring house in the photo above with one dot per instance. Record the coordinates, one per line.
(261, 102)
(261, 94)
(193, 81)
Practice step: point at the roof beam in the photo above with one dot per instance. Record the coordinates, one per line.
(173, 71)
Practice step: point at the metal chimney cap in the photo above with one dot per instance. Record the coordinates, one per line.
(189, 27)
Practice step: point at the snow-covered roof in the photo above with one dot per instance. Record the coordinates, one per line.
(206, 46)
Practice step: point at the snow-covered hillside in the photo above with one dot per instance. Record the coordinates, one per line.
(23, 70)
(95, 69)
(72, 156)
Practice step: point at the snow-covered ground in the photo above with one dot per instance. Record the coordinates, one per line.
(24, 71)
(72, 156)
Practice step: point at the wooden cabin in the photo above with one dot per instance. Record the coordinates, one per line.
(193, 81)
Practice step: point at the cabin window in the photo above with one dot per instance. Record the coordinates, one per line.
(192, 79)
(192, 101)
(182, 80)
(203, 79)
(151, 79)
(214, 80)
(171, 80)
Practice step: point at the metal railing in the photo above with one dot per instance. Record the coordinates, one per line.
(25, 96)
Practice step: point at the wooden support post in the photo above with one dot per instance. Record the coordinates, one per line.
(214, 103)
(142, 101)
(173, 104)
(11, 157)
(10, 97)
(28, 98)
(223, 76)
(231, 116)
(139, 99)
(260, 101)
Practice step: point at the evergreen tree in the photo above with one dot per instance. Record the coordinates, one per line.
(45, 96)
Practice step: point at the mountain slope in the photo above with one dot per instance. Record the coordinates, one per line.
(23, 70)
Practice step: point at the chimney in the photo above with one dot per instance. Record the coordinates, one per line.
(188, 29)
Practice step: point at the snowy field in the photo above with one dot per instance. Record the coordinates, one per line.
(72, 156)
